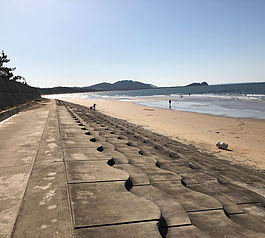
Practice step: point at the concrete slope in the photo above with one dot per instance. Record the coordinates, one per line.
(99, 190)
(198, 194)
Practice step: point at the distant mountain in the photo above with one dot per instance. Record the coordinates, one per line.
(58, 90)
(120, 85)
(197, 84)
(100, 87)
(153, 86)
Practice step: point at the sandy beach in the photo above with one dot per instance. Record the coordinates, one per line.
(246, 137)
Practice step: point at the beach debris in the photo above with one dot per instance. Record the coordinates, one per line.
(222, 145)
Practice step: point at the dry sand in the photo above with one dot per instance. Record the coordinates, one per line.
(246, 137)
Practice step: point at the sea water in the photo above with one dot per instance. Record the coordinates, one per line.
(232, 100)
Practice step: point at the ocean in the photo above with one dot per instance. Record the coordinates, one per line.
(246, 100)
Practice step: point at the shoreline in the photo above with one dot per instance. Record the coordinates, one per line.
(233, 107)
(245, 136)
(179, 110)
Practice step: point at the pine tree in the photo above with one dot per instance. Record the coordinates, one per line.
(6, 72)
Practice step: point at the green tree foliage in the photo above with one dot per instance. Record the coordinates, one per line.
(6, 72)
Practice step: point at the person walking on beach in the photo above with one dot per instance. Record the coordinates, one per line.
(169, 103)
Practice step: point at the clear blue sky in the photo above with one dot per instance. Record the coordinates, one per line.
(162, 42)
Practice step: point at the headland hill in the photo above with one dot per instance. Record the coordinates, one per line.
(117, 86)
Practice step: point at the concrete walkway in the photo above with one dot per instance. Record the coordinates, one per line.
(68, 171)
(20, 138)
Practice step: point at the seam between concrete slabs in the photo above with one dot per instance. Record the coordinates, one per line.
(205, 210)
(97, 181)
(115, 224)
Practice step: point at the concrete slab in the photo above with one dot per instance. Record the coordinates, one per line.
(253, 217)
(217, 224)
(13, 181)
(196, 178)
(109, 203)
(172, 211)
(142, 229)
(11, 159)
(47, 194)
(119, 158)
(137, 176)
(186, 232)
(157, 174)
(114, 139)
(100, 128)
(130, 151)
(188, 174)
(92, 154)
(76, 132)
(79, 143)
(97, 138)
(51, 150)
(93, 171)
(242, 174)
(231, 196)
(68, 122)
(189, 199)
(22, 141)
(176, 166)
(89, 154)
(139, 159)
(243, 195)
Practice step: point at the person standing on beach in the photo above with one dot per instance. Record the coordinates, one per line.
(169, 103)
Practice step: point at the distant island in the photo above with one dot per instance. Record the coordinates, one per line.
(120, 85)
(197, 84)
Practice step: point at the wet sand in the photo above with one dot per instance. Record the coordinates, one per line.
(246, 137)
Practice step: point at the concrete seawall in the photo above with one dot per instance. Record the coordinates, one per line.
(12, 111)
(13, 93)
